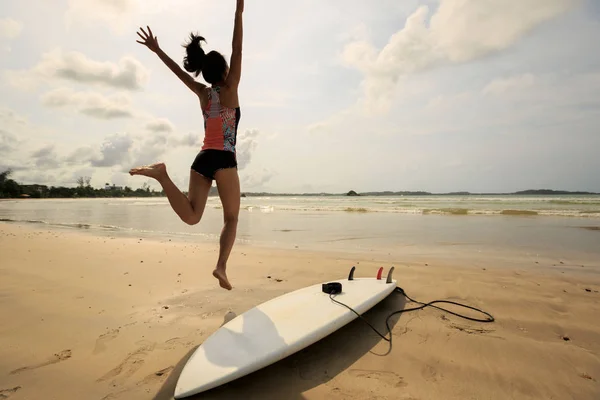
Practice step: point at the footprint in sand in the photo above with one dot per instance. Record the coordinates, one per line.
(469, 330)
(386, 377)
(477, 331)
(128, 366)
(156, 377)
(429, 373)
(56, 358)
(6, 393)
(103, 339)
(176, 342)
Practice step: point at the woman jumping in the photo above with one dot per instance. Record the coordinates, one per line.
(217, 157)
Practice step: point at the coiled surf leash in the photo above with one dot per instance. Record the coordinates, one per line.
(336, 288)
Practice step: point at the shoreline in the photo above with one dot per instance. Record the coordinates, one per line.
(521, 259)
(115, 318)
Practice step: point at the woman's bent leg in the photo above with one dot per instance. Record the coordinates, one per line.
(190, 209)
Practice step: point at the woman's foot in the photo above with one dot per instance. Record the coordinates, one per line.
(155, 171)
(220, 274)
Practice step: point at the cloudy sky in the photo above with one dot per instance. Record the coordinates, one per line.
(495, 95)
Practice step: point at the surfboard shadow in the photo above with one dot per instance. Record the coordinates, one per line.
(308, 368)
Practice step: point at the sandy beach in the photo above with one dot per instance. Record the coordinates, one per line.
(100, 317)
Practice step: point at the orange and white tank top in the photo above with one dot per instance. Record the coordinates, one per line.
(220, 123)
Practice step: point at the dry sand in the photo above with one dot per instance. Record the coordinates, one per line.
(91, 317)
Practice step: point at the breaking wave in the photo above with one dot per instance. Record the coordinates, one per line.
(425, 211)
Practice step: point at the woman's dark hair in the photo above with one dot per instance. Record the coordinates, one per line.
(212, 65)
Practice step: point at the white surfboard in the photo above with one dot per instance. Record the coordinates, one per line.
(276, 329)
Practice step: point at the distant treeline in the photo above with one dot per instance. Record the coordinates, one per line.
(9, 188)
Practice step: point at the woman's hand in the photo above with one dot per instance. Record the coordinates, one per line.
(151, 41)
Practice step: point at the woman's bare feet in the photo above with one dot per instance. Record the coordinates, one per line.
(155, 171)
(220, 274)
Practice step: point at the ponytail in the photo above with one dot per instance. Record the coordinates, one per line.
(195, 56)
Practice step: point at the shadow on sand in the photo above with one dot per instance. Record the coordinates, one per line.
(306, 369)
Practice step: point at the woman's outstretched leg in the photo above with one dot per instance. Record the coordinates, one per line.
(189, 209)
(228, 184)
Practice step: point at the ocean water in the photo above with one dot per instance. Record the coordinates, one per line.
(550, 225)
(564, 206)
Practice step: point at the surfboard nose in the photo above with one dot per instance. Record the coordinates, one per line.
(180, 393)
(188, 383)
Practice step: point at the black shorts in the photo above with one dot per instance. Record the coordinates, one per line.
(209, 161)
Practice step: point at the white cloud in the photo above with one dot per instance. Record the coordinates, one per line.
(117, 14)
(160, 125)
(148, 150)
(115, 154)
(58, 65)
(121, 16)
(40, 177)
(126, 150)
(80, 156)
(12, 129)
(458, 32)
(502, 85)
(91, 104)
(9, 118)
(256, 179)
(8, 142)
(334, 120)
(269, 99)
(469, 29)
(188, 140)
(245, 147)
(559, 90)
(517, 103)
(129, 150)
(46, 157)
(448, 103)
(10, 28)
(114, 151)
